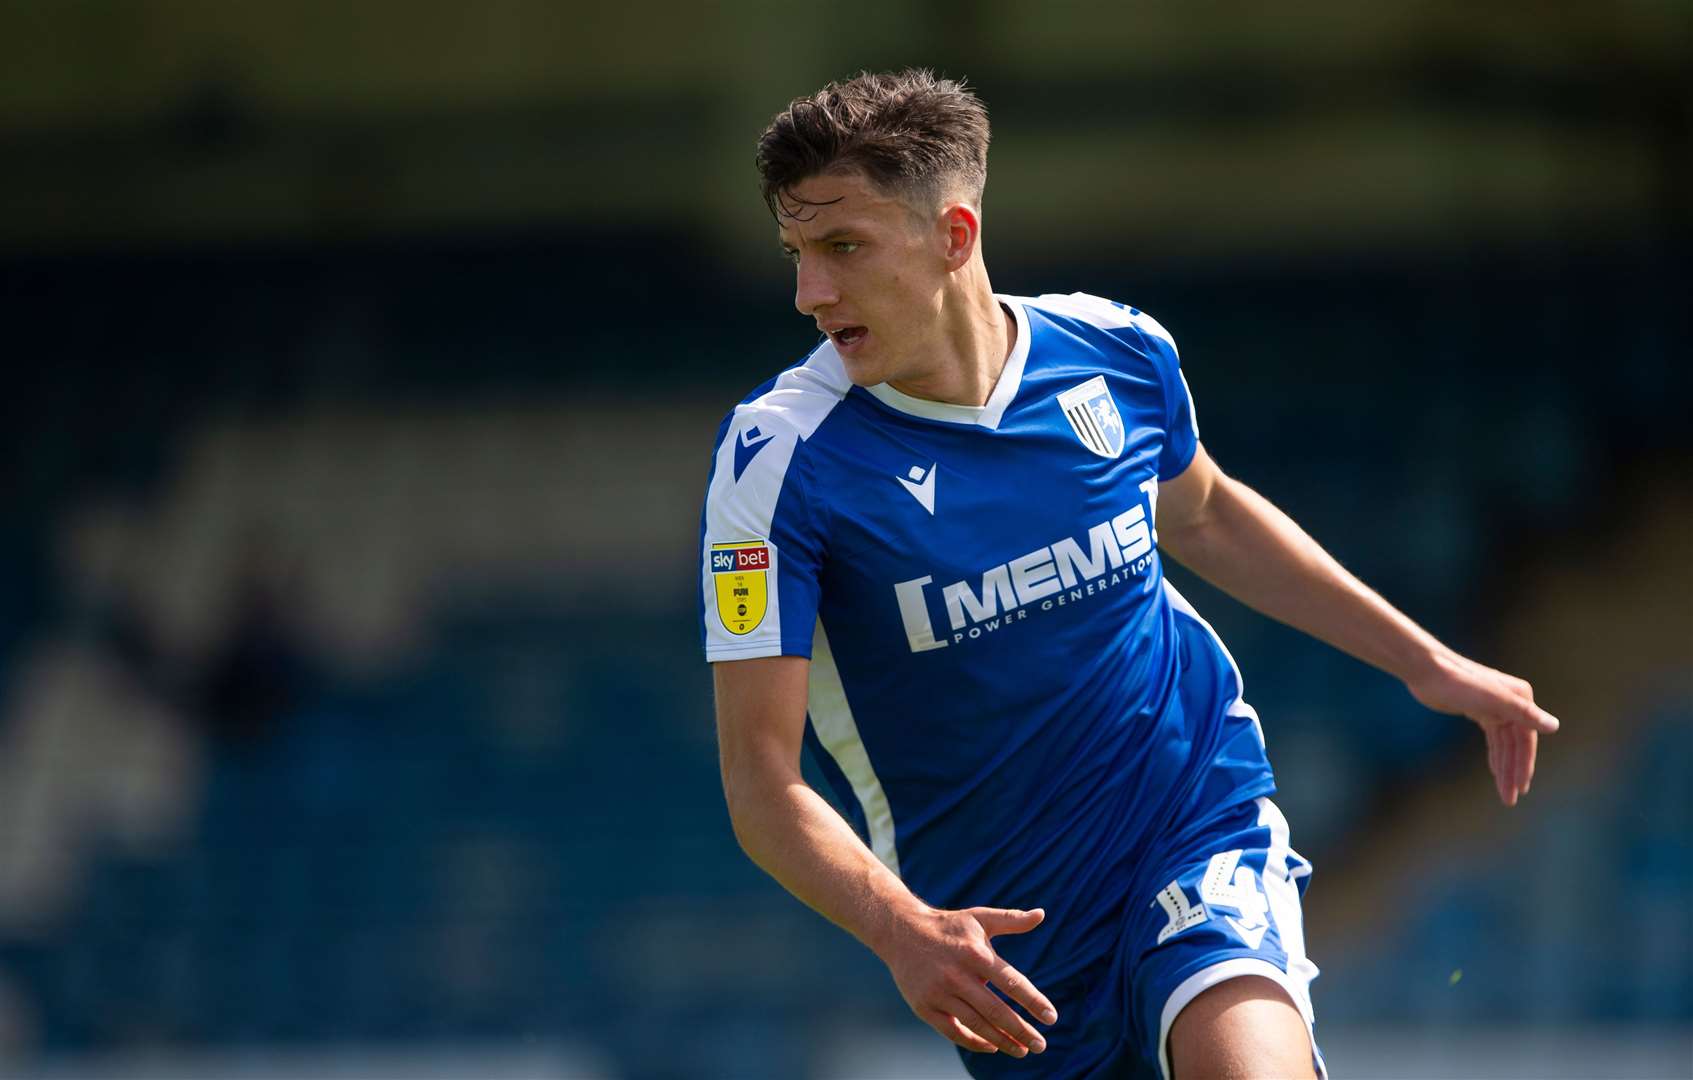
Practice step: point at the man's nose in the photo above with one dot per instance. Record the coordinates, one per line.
(813, 287)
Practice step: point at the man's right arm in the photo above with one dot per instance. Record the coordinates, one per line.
(941, 960)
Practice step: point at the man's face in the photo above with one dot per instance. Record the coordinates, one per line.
(868, 272)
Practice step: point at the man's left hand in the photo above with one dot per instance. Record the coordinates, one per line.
(1501, 705)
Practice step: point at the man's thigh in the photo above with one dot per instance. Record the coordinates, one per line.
(1243, 1028)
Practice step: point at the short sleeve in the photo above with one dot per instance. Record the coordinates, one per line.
(1181, 423)
(760, 543)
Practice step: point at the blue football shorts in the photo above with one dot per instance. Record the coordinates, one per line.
(1220, 900)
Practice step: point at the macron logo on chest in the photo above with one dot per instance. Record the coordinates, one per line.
(921, 484)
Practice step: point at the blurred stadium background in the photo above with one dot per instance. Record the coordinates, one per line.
(362, 366)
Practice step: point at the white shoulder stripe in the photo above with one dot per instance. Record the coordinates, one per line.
(746, 486)
(1146, 324)
(759, 445)
(1102, 313)
(803, 396)
(1089, 309)
(742, 507)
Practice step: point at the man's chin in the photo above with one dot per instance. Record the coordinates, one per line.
(862, 359)
(863, 372)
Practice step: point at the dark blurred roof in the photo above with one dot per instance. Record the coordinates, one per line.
(1334, 126)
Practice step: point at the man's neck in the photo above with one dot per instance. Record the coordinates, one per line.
(976, 336)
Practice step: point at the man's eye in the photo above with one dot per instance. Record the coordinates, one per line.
(845, 247)
(791, 255)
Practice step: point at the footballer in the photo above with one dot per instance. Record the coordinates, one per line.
(933, 555)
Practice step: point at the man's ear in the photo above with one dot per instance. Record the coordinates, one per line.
(962, 228)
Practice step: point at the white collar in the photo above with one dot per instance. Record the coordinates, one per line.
(989, 415)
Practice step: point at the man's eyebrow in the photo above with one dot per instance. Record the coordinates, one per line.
(833, 234)
(836, 233)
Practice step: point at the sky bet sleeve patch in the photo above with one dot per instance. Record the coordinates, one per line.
(739, 571)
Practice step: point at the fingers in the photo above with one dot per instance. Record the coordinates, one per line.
(1524, 744)
(954, 996)
(1531, 743)
(1508, 776)
(972, 1018)
(948, 1026)
(1006, 921)
(1492, 697)
(1527, 713)
(1005, 1018)
(1511, 754)
(1539, 719)
(1015, 984)
(1019, 989)
(1496, 760)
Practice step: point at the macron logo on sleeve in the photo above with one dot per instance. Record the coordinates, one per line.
(751, 441)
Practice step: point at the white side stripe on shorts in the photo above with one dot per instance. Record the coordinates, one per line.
(1283, 895)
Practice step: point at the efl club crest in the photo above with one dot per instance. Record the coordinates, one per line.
(1093, 416)
(738, 571)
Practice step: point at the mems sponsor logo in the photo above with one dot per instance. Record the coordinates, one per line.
(1068, 570)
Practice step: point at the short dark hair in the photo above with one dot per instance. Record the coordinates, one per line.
(914, 136)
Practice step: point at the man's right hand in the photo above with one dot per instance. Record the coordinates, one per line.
(942, 963)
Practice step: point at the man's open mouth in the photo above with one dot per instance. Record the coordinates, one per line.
(847, 337)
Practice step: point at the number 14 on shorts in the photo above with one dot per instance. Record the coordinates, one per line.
(1227, 889)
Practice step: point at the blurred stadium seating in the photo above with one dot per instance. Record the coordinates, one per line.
(352, 719)
(480, 803)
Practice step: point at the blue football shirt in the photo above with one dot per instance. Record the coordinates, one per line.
(1006, 694)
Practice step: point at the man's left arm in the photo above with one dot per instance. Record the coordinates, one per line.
(1234, 538)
